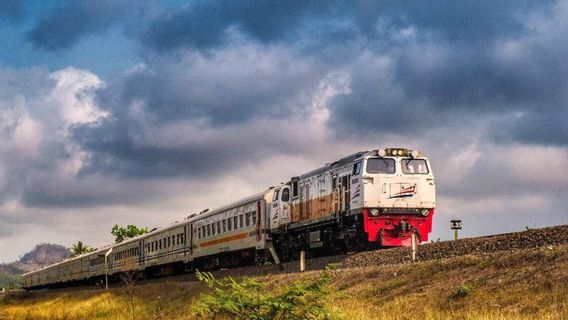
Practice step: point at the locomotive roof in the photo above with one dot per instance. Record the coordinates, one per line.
(350, 158)
(257, 196)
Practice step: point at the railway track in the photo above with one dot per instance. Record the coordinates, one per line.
(516, 241)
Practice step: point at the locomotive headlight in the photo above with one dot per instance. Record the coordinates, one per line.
(374, 212)
(425, 212)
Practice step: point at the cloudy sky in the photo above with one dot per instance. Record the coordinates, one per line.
(143, 112)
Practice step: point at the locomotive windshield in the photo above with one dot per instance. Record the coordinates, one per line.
(380, 165)
(414, 166)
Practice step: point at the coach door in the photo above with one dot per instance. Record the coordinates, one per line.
(344, 191)
(280, 207)
(191, 231)
(285, 205)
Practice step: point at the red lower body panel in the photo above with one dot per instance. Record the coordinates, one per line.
(397, 230)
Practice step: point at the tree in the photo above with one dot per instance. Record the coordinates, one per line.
(79, 248)
(131, 231)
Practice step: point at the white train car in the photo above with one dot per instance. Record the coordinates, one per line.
(125, 256)
(234, 234)
(164, 250)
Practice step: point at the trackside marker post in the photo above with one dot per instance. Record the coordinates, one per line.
(275, 257)
(455, 225)
(414, 246)
(302, 261)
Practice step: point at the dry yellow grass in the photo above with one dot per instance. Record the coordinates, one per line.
(531, 284)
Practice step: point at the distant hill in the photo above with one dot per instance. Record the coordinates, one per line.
(41, 256)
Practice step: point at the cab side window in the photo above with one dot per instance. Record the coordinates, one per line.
(295, 189)
(285, 195)
(357, 168)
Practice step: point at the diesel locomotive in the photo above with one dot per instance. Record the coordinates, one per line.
(370, 199)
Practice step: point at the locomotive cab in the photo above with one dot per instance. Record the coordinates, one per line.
(280, 206)
(399, 196)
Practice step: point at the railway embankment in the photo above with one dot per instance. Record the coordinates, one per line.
(513, 276)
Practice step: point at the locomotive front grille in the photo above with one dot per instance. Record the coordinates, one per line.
(414, 211)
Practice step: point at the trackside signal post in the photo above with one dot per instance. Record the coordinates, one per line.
(456, 225)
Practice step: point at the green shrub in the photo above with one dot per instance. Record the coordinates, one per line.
(248, 299)
(462, 291)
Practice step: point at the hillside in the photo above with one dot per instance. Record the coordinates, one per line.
(42, 255)
(529, 283)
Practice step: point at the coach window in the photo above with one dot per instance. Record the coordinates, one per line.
(224, 225)
(276, 193)
(229, 224)
(235, 222)
(218, 226)
(199, 233)
(174, 241)
(285, 195)
(169, 242)
(253, 215)
(247, 219)
(208, 230)
(240, 220)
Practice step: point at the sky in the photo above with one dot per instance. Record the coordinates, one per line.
(143, 112)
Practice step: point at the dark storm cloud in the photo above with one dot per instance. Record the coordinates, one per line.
(444, 64)
(68, 22)
(412, 67)
(44, 190)
(196, 115)
(231, 87)
(439, 76)
(537, 128)
(11, 10)
(203, 24)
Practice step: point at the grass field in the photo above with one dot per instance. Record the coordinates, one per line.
(530, 284)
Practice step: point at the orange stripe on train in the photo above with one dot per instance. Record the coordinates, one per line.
(225, 239)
